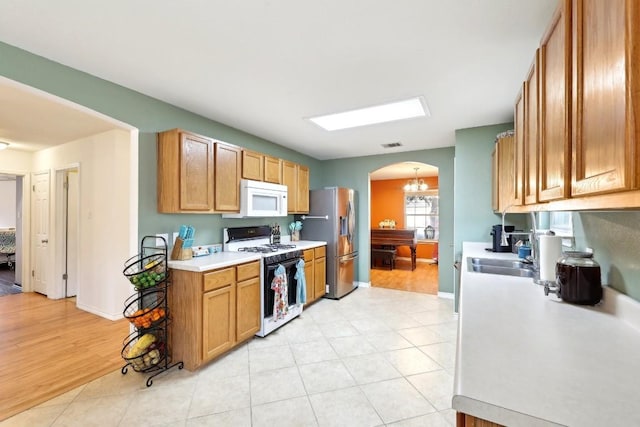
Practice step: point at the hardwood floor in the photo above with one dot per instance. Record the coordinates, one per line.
(423, 279)
(48, 347)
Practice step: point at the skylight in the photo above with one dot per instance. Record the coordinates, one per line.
(399, 110)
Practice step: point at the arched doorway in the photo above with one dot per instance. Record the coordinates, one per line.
(405, 196)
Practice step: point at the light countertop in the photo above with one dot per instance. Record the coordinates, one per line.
(525, 359)
(226, 259)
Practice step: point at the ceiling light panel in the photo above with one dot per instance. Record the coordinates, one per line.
(399, 110)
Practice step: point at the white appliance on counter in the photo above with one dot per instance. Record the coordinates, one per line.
(260, 199)
(258, 239)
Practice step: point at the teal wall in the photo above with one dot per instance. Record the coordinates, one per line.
(354, 173)
(473, 215)
(615, 239)
(150, 116)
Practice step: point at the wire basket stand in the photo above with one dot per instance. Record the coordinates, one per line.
(145, 349)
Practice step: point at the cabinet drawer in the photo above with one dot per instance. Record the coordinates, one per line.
(219, 278)
(308, 255)
(320, 252)
(249, 270)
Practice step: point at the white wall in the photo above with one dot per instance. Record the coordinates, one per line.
(8, 204)
(108, 214)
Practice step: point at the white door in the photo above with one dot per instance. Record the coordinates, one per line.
(40, 215)
(71, 227)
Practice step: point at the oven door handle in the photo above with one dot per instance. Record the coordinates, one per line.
(285, 264)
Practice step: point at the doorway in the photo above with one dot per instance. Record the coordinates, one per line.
(10, 234)
(405, 196)
(67, 230)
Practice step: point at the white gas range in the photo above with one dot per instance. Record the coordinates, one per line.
(279, 287)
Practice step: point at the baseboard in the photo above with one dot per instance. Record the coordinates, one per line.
(116, 316)
(364, 284)
(446, 295)
(418, 260)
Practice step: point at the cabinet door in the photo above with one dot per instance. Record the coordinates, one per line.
(506, 168)
(272, 169)
(555, 135)
(185, 172)
(247, 308)
(228, 162)
(530, 161)
(516, 197)
(218, 321)
(290, 179)
(302, 202)
(320, 276)
(196, 173)
(604, 132)
(252, 165)
(309, 275)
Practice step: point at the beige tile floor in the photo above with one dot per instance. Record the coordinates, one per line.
(378, 357)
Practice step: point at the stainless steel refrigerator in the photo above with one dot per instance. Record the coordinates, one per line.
(332, 218)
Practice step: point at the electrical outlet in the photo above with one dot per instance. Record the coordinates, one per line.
(159, 237)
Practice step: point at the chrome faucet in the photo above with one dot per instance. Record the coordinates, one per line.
(503, 235)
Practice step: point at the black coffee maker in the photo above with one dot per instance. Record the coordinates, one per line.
(496, 232)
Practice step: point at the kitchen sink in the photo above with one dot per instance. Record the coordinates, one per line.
(502, 267)
(499, 262)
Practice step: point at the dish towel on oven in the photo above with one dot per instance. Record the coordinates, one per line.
(301, 287)
(279, 286)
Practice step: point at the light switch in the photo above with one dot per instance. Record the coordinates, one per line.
(159, 241)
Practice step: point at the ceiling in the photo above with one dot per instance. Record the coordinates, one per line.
(31, 120)
(265, 66)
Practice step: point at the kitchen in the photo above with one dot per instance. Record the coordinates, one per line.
(471, 208)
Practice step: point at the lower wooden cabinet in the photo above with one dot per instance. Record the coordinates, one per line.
(319, 271)
(218, 334)
(212, 311)
(309, 275)
(465, 420)
(315, 272)
(247, 316)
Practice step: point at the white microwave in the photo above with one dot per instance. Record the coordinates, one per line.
(260, 199)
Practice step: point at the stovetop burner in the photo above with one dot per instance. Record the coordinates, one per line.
(266, 248)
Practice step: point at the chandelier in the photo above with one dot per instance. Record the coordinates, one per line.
(415, 184)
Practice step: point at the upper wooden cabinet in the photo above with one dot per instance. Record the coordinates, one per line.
(506, 153)
(197, 174)
(530, 129)
(606, 96)
(185, 172)
(252, 165)
(516, 198)
(260, 167)
(555, 94)
(228, 163)
(296, 178)
(272, 169)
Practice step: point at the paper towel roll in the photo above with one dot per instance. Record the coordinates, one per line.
(550, 251)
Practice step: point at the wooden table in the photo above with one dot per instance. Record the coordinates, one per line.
(396, 237)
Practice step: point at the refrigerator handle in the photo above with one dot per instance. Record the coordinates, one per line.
(315, 217)
(350, 221)
(347, 259)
